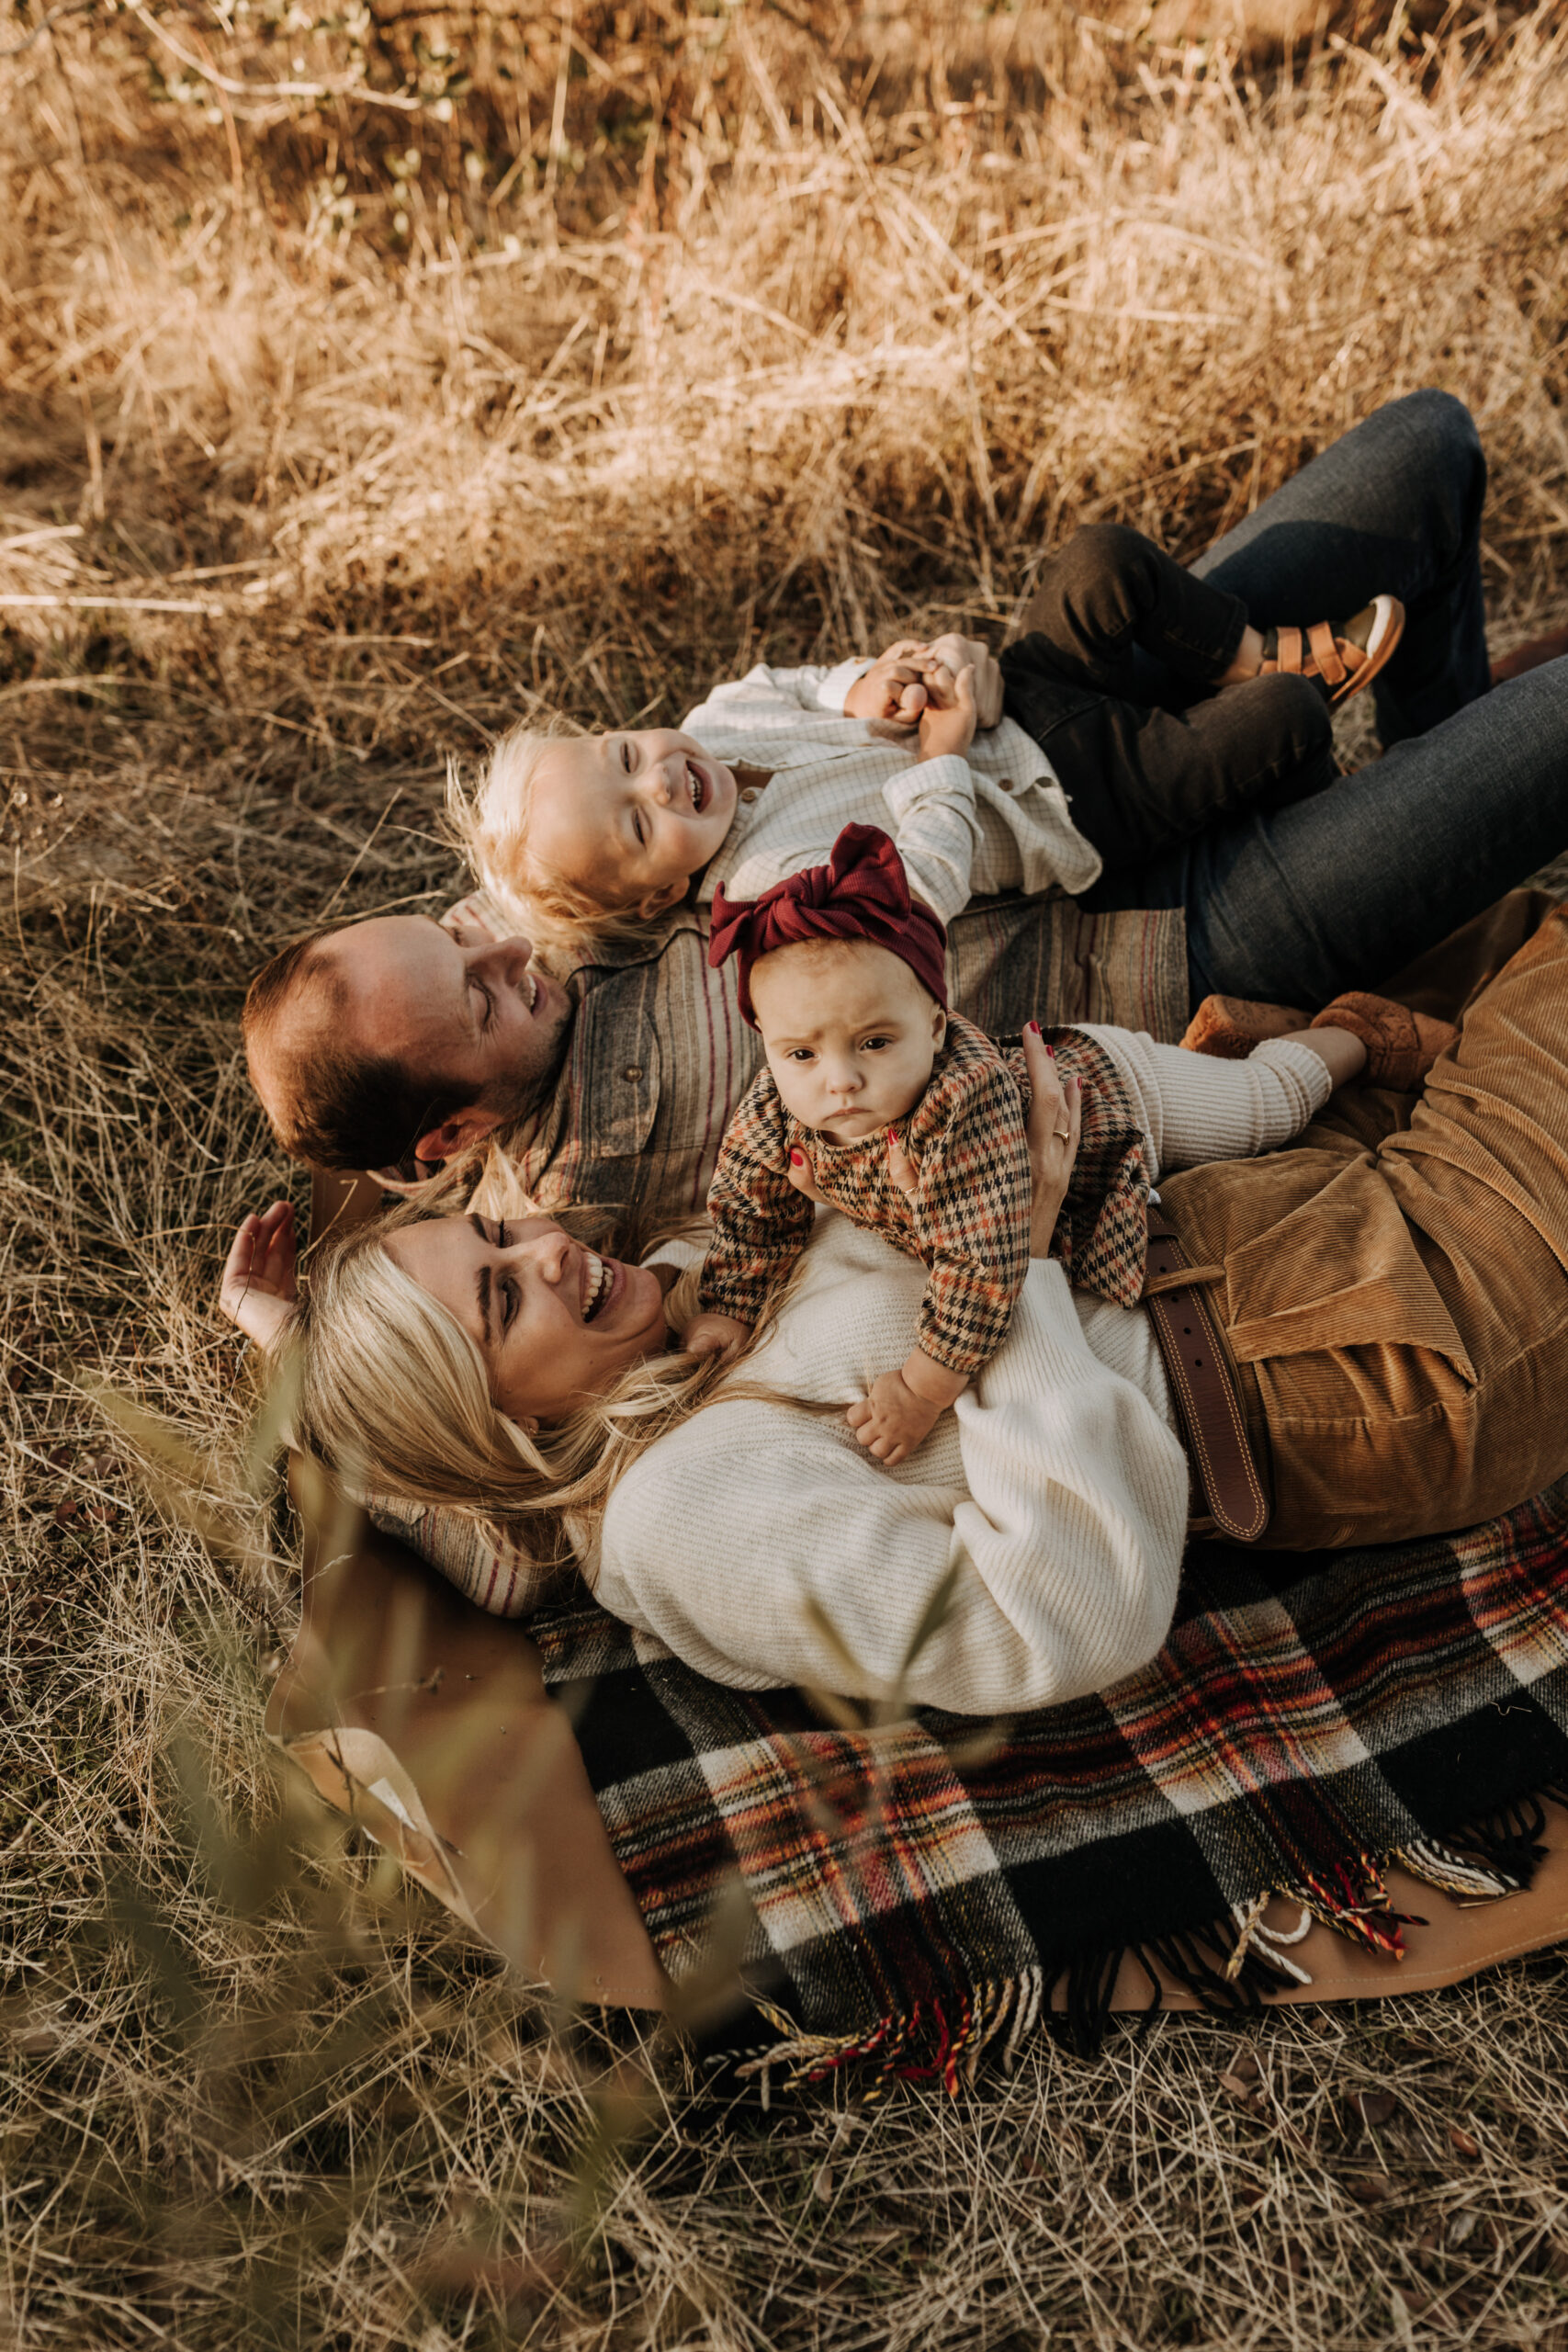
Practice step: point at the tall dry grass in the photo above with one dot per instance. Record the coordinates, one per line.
(693, 336)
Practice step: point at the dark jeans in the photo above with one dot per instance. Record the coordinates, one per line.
(1337, 892)
(1141, 777)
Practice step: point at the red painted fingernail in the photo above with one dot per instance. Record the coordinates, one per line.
(1051, 1051)
(798, 1159)
(1034, 1028)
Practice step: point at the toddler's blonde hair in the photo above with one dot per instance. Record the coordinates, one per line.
(489, 826)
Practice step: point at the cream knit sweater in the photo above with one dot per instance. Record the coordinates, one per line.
(1055, 1491)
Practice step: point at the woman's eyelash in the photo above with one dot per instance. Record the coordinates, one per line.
(508, 1303)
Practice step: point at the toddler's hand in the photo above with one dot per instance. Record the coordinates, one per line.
(891, 1421)
(893, 689)
(952, 729)
(716, 1335)
(469, 922)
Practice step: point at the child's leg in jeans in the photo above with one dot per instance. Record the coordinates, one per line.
(1141, 779)
(1109, 590)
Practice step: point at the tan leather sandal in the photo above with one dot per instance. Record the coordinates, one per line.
(1340, 656)
(1401, 1046)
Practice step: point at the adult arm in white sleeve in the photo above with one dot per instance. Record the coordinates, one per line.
(1194, 1108)
(1067, 1546)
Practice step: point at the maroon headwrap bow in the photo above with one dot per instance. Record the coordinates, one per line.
(862, 892)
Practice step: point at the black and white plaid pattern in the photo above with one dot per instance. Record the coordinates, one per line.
(918, 1892)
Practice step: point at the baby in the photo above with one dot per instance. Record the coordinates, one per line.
(842, 971)
(585, 838)
(913, 1124)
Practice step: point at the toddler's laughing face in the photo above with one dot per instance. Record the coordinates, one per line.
(627, 818)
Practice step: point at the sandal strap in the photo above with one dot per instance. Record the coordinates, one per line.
(1290, 650)
(1325, 653)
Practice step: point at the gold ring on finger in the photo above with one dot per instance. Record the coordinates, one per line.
(1063, 1134)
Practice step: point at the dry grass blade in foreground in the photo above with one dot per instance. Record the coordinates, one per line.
(579, 358)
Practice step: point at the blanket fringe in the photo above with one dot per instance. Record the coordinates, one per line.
(1228, 1965)
(1494, 1854)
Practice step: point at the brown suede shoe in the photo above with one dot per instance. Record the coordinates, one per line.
(1227, 1027)
(1401, 1046)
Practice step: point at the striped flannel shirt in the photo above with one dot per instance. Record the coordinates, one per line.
(994, 819)
(967, 1218)
(658, 1057)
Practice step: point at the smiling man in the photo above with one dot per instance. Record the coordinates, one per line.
(392, 1039)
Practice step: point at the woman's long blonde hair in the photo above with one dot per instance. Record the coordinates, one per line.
(390, 1393)
(488, 828)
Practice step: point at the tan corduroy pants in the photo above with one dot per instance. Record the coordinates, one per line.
(1396, 1288)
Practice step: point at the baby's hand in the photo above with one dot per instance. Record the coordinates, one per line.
(716, 1335)
(891, 1421)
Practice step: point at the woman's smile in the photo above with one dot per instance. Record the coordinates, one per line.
(554, 1321)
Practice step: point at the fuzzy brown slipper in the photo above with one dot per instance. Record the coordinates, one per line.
(1401, 1046)
(1227, 1027)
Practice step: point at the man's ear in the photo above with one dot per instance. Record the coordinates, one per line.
(455, 1134)
(521, 1423)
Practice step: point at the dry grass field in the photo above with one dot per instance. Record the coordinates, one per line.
(366, 378)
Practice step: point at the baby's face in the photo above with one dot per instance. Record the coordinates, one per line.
(629, 818)
(850, 1034)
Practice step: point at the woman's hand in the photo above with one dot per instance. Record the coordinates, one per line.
(1055, 1121)
(259, 1286)
(901, 1172)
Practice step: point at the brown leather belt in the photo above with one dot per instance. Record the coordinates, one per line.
(1231, 1491)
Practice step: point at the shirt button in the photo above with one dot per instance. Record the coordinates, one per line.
(750, 794)
(631, 1073)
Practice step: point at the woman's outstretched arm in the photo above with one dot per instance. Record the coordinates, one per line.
(259, 1286)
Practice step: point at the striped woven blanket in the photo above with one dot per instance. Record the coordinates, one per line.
(926, 1890)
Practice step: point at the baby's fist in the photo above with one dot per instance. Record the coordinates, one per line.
(716, 1335)
(890, 1421)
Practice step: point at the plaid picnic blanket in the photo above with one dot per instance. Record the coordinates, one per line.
(921, 1891)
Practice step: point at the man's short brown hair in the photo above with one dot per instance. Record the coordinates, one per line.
(333, 1106)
